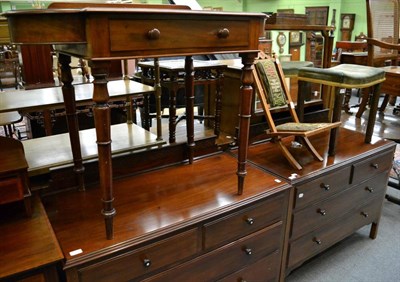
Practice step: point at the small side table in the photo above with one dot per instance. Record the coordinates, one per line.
(14, 173)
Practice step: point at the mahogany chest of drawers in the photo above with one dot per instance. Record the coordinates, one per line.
(183, 223)
(331, 199)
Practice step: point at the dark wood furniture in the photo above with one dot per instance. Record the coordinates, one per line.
(29, 248)
(152, 33)
(207, 73)
(195, 228)
(331, 199)
(13, 173)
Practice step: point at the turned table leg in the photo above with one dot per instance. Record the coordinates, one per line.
(72, 118)
(246, 95)
(102, 120)
(189, 88)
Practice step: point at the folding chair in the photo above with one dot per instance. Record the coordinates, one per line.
(273, 92)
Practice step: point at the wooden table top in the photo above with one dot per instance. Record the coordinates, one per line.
(154, 203)
(52, 97)
(56, 150)
(26, 243)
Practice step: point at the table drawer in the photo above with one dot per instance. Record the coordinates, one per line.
(372, 166)
(11, 189)
(245, 221)
(322, 238)
(322, 187)
(138, 262)
(264, 270)
(147, 35)
(324, 211)
(227, 259)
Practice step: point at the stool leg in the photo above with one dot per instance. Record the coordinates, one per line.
(372, 113)
(339, 93)
(301, 96)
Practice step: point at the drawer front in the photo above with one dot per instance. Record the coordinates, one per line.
(227, 259)
(318, 240)
(147, 35)
(245, 221)
(145, 260)
(322, 187)
(372, 166)
(264, 270)
(11, 190)
(324, 211)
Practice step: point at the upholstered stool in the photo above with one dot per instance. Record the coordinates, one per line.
(337, 79)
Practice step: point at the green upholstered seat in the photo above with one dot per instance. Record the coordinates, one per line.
(291, 68)
(344, 74)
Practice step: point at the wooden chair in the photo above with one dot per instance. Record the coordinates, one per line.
(273, 92)
(383, 44)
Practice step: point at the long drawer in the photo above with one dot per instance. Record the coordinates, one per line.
(245, 221)
(145, 260)
(322, 238)
(334, 207)
(227, 259)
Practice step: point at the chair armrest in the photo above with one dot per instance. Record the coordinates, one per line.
(382, 44)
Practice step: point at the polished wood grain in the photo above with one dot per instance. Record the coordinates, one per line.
(101, 34)
(26, 243)
(52, 98)
(350, 143)
(154, 204)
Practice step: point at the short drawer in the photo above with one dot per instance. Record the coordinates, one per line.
(144, 260)
(245, 221)
(322, 187)
(227, 259)
(320, 239)
(264, 270)
(11, 189)
(145, 34)
(324, 211)
(372, 166)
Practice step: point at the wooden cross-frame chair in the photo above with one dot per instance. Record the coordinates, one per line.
(273, 92)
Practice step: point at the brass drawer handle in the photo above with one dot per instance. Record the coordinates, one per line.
(318, 241)
(325, 186)
(153, 34)
(250, 220)
(223, 33)
(369, 189)
(321, 212)
(376, 166)
(364, 214)
(248, 251)
(146, 262)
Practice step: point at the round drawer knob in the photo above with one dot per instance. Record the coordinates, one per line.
(321, 212)
(223, 33)
(248, 251)
(327, 187)
(364, 214)
(369, 189)
(153, 34)
(146, 262)
(318, 241)
(376, 166)
(250, 220)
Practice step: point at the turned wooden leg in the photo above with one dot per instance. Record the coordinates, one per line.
(157, 89)
(336, 115)
(172, 108)
(246, 97)
(102, 122)
(218, 101)
(72, 118)
(189, 88)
